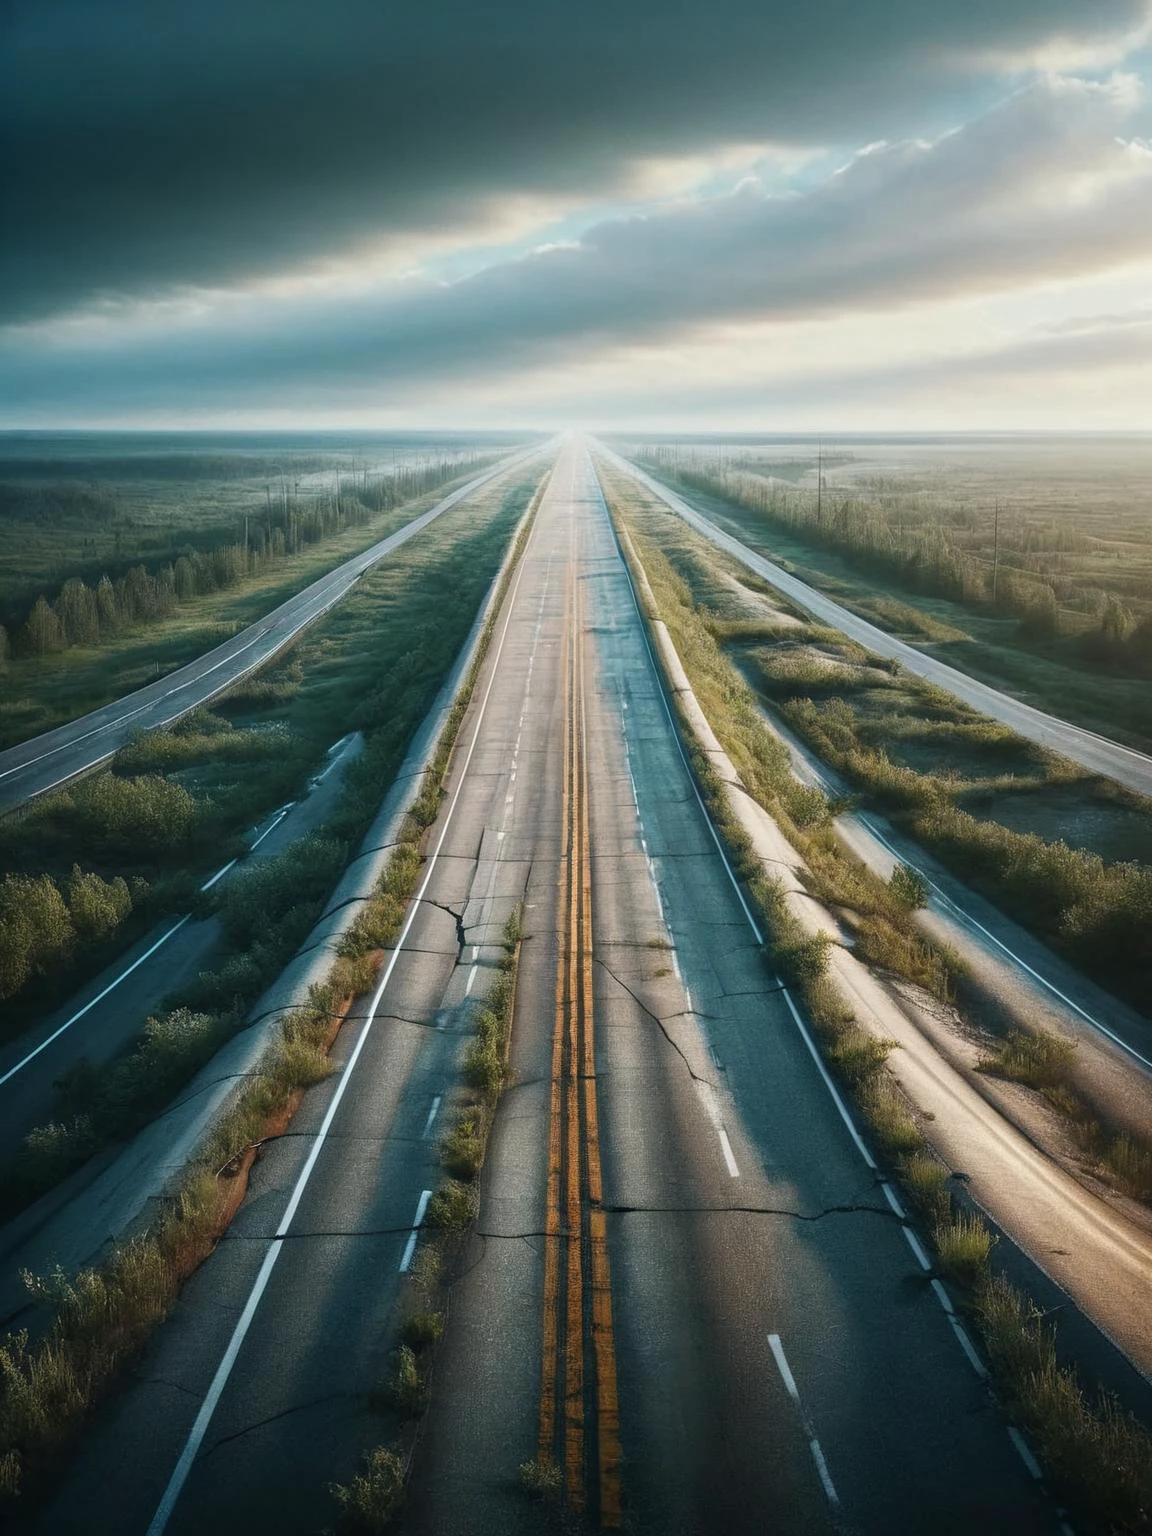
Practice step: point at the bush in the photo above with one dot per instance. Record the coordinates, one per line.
(127, 817)
(963, 1247)
(908, 887)
(375, 1496)
(36, 930)
(452, 1207)
(97, 906)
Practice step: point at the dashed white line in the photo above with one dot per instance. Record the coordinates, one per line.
(729, 1159)
(786, 1376)
(431, 1120)
(1024, 1451)
(917, 1248)
(471, 980)
(414, 1235)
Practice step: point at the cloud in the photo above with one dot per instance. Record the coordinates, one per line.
(1043, 187)
(150, 147)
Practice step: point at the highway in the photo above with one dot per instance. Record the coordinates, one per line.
(687, 1283)
(45, 761)
(1096, 753)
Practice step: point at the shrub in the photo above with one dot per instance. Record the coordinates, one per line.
(36, 931)
(908, 887)
(97, 906)
(963, 1247)
(374, 1497)
(451, 1207)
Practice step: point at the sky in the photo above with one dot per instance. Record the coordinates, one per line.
(646, 214)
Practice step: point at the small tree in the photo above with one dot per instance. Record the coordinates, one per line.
(909, 887)
(43, 632)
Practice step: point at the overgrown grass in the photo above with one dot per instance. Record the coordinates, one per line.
(1098, 1456)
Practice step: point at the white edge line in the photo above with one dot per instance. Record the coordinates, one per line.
(224, 1369)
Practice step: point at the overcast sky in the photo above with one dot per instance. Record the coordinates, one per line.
(408, 213)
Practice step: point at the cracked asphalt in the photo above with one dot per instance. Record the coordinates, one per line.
(743, 1225)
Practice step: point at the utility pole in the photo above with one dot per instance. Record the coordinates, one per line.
(995, 550)
(819, 481)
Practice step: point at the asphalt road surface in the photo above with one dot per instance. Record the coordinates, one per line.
(1096, 753)
(687, 1283)
(48, 760)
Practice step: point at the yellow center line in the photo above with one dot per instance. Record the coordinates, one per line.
(575, 1180)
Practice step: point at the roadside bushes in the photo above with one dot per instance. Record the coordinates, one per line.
(44, 925)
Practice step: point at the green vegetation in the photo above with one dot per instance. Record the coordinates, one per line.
(103, 1318)
(375, 1496)
(163, 557)
(1051, 600)
(1047, 572)
(177, 801)
(1099, 1457)
(947, 777)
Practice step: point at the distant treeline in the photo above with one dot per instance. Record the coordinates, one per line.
(92, 615)
(922, 554)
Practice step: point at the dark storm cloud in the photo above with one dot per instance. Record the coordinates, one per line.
(150, 145)
(1040, 187)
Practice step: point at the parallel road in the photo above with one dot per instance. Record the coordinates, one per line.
(687, 1285)
(1096, 753)
(56, 756)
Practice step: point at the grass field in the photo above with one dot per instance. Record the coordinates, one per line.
(1050, 597)
(195, 538)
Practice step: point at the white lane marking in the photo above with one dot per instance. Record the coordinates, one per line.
(1024, 1451)
(828, 1083)
(219, 875)
(100, 996)
(471, 979)
(942, 1296)
(777, 1348)
(892, 1199)
(967, 1346)
(917, 1248)
(414, 1235)
(271, 827)
(431, 1120)
(224, 1369)
(729, 1159)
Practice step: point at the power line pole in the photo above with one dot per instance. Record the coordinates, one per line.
(995, 550)
(819, 481)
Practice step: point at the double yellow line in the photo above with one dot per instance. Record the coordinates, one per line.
(579, 1403)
